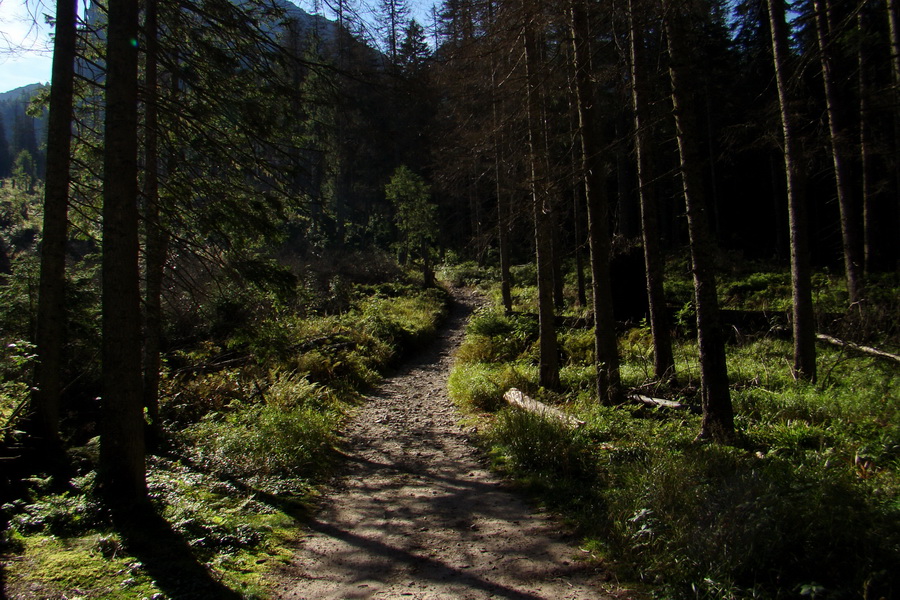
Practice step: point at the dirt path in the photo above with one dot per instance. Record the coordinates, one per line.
(418, 516)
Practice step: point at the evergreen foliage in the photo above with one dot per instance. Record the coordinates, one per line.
(280, 157)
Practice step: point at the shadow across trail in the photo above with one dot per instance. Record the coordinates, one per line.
(434, 569)
(168, 558)
(418, 515)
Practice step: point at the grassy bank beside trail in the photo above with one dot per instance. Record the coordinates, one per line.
(806, 504)
(250, 424)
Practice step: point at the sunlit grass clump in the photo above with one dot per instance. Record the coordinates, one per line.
(805, 504)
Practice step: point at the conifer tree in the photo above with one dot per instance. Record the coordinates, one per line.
(393, 16)
(540, 196)
(663, 361)
(803, 321)
(605, 344)
(5, 159)
(50, 334)
(122, 460)
(718, 414)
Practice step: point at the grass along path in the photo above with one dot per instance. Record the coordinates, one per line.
(417, 515)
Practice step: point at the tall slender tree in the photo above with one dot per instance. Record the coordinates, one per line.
(803, 321)
(122, 461)
(541, 201)
(609, 384)
(503, 217)
(718, 414)
(663, 360)
(894, 36)
(839, 139)
(154, 234)
(51, 317)
(393, 16)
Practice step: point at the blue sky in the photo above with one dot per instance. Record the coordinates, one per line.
(25, 54)
(24, 43)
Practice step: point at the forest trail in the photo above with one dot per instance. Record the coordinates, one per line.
(417, 515)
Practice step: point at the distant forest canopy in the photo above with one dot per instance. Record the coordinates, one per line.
(19, 130)
(351, 100)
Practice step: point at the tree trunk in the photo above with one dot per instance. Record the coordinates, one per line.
(549, 359)
(503, 238)
(663, 360)
(853, 262)
(427, 271)
(155, 244)
(502, 202)
(609, 384)
(804, 326)
(870, 249)
(556, 245)
(122, 462)
(51, 315)
(577, 203)
(894, 32)
(718, 414)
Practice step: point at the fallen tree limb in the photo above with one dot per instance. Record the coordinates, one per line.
(864, 349)
(515, 397)
(661, 403)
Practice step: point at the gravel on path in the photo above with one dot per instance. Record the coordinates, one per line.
(416, 514)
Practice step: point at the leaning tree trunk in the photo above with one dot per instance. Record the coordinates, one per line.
(718, 414)
(663, 360)
(548, 346)
(853, 262)
(51, 317)
(803, 322)
(609, 383)
(122, 461)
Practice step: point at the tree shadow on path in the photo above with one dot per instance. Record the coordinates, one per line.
(427, 567)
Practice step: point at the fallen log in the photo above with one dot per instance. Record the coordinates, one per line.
(515, 397)
(864, 349)
(662, 403)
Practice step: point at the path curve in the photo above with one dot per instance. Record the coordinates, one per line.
(418, 516)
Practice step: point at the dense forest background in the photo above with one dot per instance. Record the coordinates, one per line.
(216, 204)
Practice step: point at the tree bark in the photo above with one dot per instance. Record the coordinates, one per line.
(155, 242)
(718, 414)
(870, 249)
(663, 360)
(853, 262)
(502, 201)
(894, 34)
(803, 322)
(548, 345)
(51, 316)
(122, 461)
(609, 384)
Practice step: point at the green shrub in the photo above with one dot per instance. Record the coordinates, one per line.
(533, 444)
(269, 441)
(577, 346)
(475, 387)
(714, 523)
(493, 336)
(466, 274)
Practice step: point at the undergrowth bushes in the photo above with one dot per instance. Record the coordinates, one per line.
(807, 503)
(249, 421)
